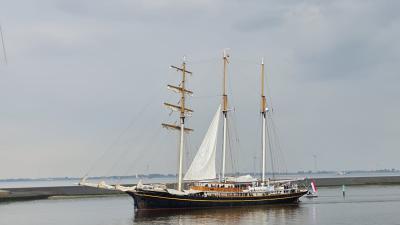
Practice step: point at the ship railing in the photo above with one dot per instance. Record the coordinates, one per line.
(240, 194)
(286, 190)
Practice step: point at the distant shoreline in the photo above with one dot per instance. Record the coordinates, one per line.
(157, 175)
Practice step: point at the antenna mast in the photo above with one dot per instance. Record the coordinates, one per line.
(224, 112)
(183, 113)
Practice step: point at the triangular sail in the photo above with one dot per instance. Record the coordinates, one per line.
(314, 187)
(203, 165)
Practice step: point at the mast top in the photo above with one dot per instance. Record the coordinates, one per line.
(224, 95)
(263, 99)
(182, 91)
(226, 55)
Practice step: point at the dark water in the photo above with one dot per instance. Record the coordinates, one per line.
(362, 205)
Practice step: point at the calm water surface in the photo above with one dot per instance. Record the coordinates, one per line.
(362, 205)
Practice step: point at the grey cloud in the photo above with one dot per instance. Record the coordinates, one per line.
(80, 71)
(135, 11)
(259, 22)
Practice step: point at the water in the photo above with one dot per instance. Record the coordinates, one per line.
(362, 205)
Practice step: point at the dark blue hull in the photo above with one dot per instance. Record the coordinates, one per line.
(163, 200)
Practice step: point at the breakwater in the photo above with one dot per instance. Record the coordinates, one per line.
(348, 181)
(34, 193)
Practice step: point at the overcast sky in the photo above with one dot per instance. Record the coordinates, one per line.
(84, 75)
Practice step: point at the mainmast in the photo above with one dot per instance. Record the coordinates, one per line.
(263, 114)
(224, 112)
(183, 113)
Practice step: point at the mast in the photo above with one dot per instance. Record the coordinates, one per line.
(263, 114)
(183, 113)
(224, 112)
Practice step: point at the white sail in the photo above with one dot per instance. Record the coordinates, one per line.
(203, 165)
(314, 187)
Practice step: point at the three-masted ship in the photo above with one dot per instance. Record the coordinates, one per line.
(200, 187)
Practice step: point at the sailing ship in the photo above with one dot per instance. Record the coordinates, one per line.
(199, 187)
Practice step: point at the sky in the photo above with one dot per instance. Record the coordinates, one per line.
(83, 88)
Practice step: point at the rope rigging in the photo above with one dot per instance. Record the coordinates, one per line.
(149, 149)
(276, 142)
(133, 122)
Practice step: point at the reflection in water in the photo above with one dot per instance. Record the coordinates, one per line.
(276, 214)
(314, 214)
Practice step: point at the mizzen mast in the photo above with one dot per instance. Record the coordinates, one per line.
(184, 112)
(263, 114)
(224, 112)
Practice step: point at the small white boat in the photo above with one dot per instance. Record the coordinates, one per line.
(313, 193)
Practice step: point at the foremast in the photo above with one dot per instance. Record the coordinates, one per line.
(224, 112)
(263, 114)
(184, 112)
